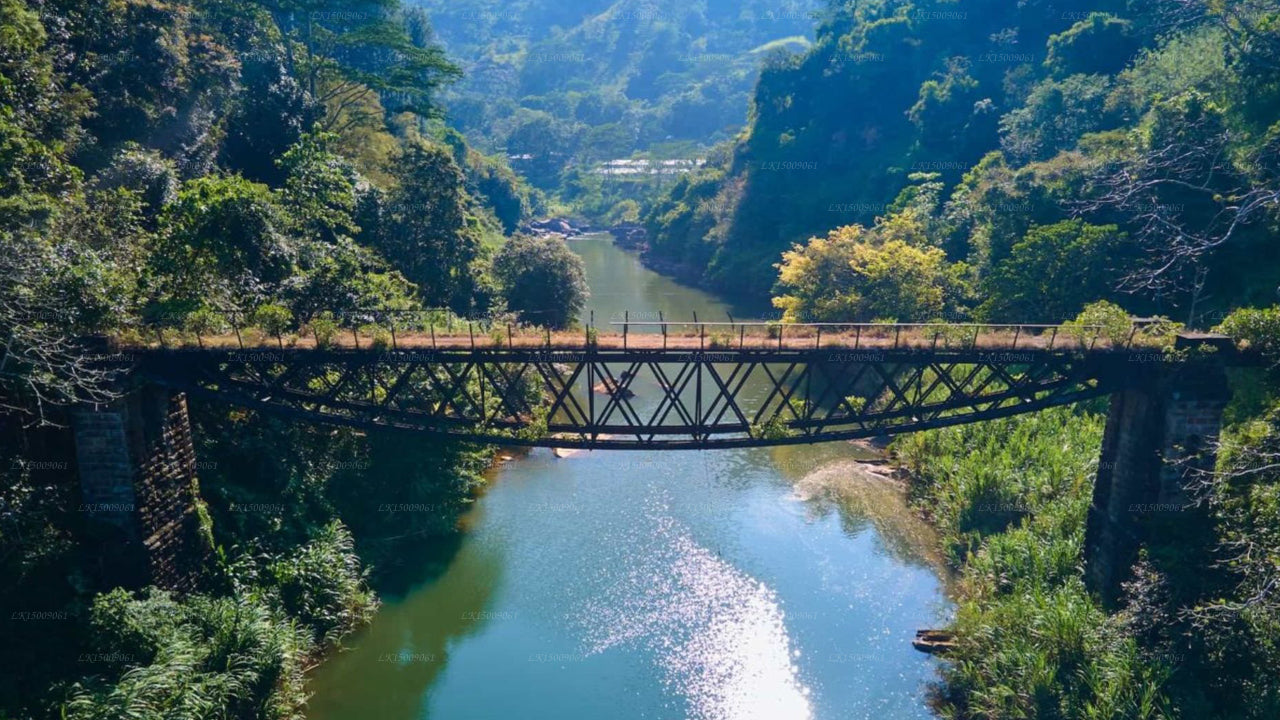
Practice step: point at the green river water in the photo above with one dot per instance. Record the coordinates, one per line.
(723, 585)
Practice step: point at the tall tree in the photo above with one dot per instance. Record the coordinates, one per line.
(1054, 271)
(428, 232)
(348, 52)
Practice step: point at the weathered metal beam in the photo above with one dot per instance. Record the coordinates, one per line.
(493, 394)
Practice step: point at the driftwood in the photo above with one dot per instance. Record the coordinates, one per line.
(934, 642)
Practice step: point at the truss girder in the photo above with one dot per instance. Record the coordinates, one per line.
(674, 399)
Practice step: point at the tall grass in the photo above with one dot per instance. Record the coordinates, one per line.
(235, 657)
(1009, 498)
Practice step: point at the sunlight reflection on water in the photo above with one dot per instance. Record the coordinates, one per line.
(718, 634)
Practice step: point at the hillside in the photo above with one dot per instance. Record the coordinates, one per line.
(1152, 119)
(557, 84)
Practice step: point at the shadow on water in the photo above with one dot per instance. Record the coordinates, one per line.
(406, 506)
(274, 483)
(403, 653)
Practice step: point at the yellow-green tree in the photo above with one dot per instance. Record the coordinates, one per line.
(857, 275)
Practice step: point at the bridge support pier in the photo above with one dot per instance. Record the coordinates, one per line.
(1160, 434)
(137, 469)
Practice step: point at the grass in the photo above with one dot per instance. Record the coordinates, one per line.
(1009, 499)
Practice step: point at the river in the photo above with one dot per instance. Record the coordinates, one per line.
(759, 583)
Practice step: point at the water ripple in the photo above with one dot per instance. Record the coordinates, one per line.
(718, 634)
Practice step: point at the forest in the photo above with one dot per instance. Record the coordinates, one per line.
(322, 165)
(1025, 161)
(167, 164)
(562, 86)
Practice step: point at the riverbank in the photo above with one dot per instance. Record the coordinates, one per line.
(1009, 500)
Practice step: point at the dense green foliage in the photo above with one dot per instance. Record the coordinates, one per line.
(1010, 500)
(1195, 635)
(165, 161)
(1082, 151)
(885, 273)
(542, 280)
(238, 656)
(176, 166)
(562, 85)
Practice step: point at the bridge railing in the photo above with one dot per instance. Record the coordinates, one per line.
(414, 329)
(711, 335)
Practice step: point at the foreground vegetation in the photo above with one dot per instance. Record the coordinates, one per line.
(240, 654)
(161, 165)
(1010, 502)
(1196, 633)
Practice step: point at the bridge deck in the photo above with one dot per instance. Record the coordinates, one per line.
(717, 336)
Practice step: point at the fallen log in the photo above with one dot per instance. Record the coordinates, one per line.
(934, 642)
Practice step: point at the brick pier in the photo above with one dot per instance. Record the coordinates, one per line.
(137, 469)
(1160, 435)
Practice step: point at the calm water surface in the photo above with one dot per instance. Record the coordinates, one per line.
(723, 585)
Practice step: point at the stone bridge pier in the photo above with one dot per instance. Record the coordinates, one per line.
(137, 469)
(1160, 438)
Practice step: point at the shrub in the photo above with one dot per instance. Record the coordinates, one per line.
(1255, 328)
(379, 337)
(322, 585)
(1101, 319)
(498, 336)
(204, 322)
(542, 280)
(775, 428)
(274, 320)
(324, 328)
(197, 658)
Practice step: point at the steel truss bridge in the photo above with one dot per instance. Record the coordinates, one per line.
(597, 395)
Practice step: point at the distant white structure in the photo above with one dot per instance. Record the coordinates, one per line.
(643, 166)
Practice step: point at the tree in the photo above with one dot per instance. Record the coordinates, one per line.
(1055, 116)
(146, 172)
(352, 283)
(221, 240)
(42, 363)
(275, 320)
(348, 55)
(1181, 191)
(948, 112)
(816, 280)
(490, 180)
(272, 113)
(542, 280)
(429, 233)
(319, 192)
(154, 76)
(849, 277)
(38, 119)
(1099, 44)
(1053, 271)
(547, 144)
(911, 284)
